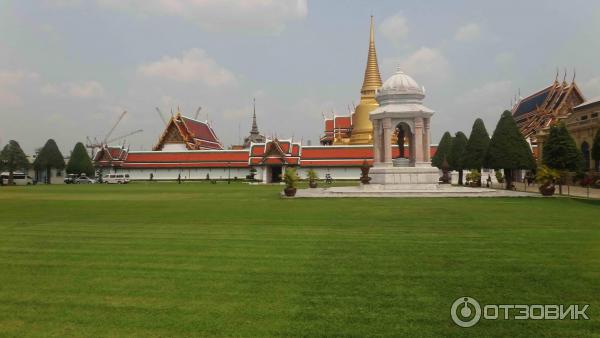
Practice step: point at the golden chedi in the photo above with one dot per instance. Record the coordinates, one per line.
(362, 128)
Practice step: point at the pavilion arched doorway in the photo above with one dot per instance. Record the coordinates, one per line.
(403, 138)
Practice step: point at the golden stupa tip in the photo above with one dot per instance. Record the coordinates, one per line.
(372, 79)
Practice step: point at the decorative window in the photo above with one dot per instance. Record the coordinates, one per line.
(583, 117)
(594, 115)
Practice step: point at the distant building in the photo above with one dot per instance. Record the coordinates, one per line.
(337, 130)
(255, 136)
(184, 133)
(269, 159)
(535, 113)
(583, 124)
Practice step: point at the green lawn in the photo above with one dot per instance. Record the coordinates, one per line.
(235, 260)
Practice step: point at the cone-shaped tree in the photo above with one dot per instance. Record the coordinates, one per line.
(12, 158)
(443, 150)
(560, 152)
(477, 146)
(596, 149)
(508, 149)
(457, 153)
(49, 157)
(479, 141)
(80, 162)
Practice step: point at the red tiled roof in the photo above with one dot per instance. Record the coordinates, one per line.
(343, 122)
(209, 158)
(202, 132)
(188, 156)
(329, 125)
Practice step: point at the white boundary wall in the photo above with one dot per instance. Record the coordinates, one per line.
(337, 173)
(186, 173)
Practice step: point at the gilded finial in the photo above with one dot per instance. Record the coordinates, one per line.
(372, 78)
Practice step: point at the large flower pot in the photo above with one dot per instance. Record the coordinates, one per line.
(312, 184)
(365, 180)
(290, 192)
(547, 189)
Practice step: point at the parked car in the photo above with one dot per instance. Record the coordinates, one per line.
(70, 179)
(18, 178)
(116, 179)
(85, 180)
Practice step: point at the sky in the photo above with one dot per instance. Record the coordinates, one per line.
(68, 68)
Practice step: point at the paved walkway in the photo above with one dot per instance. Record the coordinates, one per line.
(571, 190)
(373, 190)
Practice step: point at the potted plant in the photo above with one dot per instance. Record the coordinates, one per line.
(312, 178)
(473, 178)
(499, 176)
(546, 178)
(364, 173)
(290, 177)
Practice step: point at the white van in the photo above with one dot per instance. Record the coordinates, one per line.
(18, 178)
(116, 179)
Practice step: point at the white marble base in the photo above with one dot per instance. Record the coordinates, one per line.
(403, 178)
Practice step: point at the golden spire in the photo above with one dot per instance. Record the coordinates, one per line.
(372, 79)
(362, 128)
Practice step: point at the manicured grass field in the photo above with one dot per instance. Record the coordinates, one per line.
(235, 260)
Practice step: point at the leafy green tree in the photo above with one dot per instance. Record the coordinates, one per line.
(457, 153)
(596, 149)
(80, 162)
(12, 158)
(508, 149)
(560, 152)
(443, 150)
(49, 157)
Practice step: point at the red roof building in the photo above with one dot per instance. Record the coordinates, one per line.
(337, 129)
(184, 133)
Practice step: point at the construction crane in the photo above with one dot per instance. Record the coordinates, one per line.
(124, 136)
(95, 144)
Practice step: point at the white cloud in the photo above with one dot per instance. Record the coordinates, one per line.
(467, 33)
(247, 15)
(394, 28)
(194, 66)
(11, 83)
(492, 92)
(83, 90)
(426, 65)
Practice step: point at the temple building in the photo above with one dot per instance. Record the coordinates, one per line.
(184, 133)
(190, 149)
(255, 136)
(583, 124)
(537, 112)
(337, 130)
